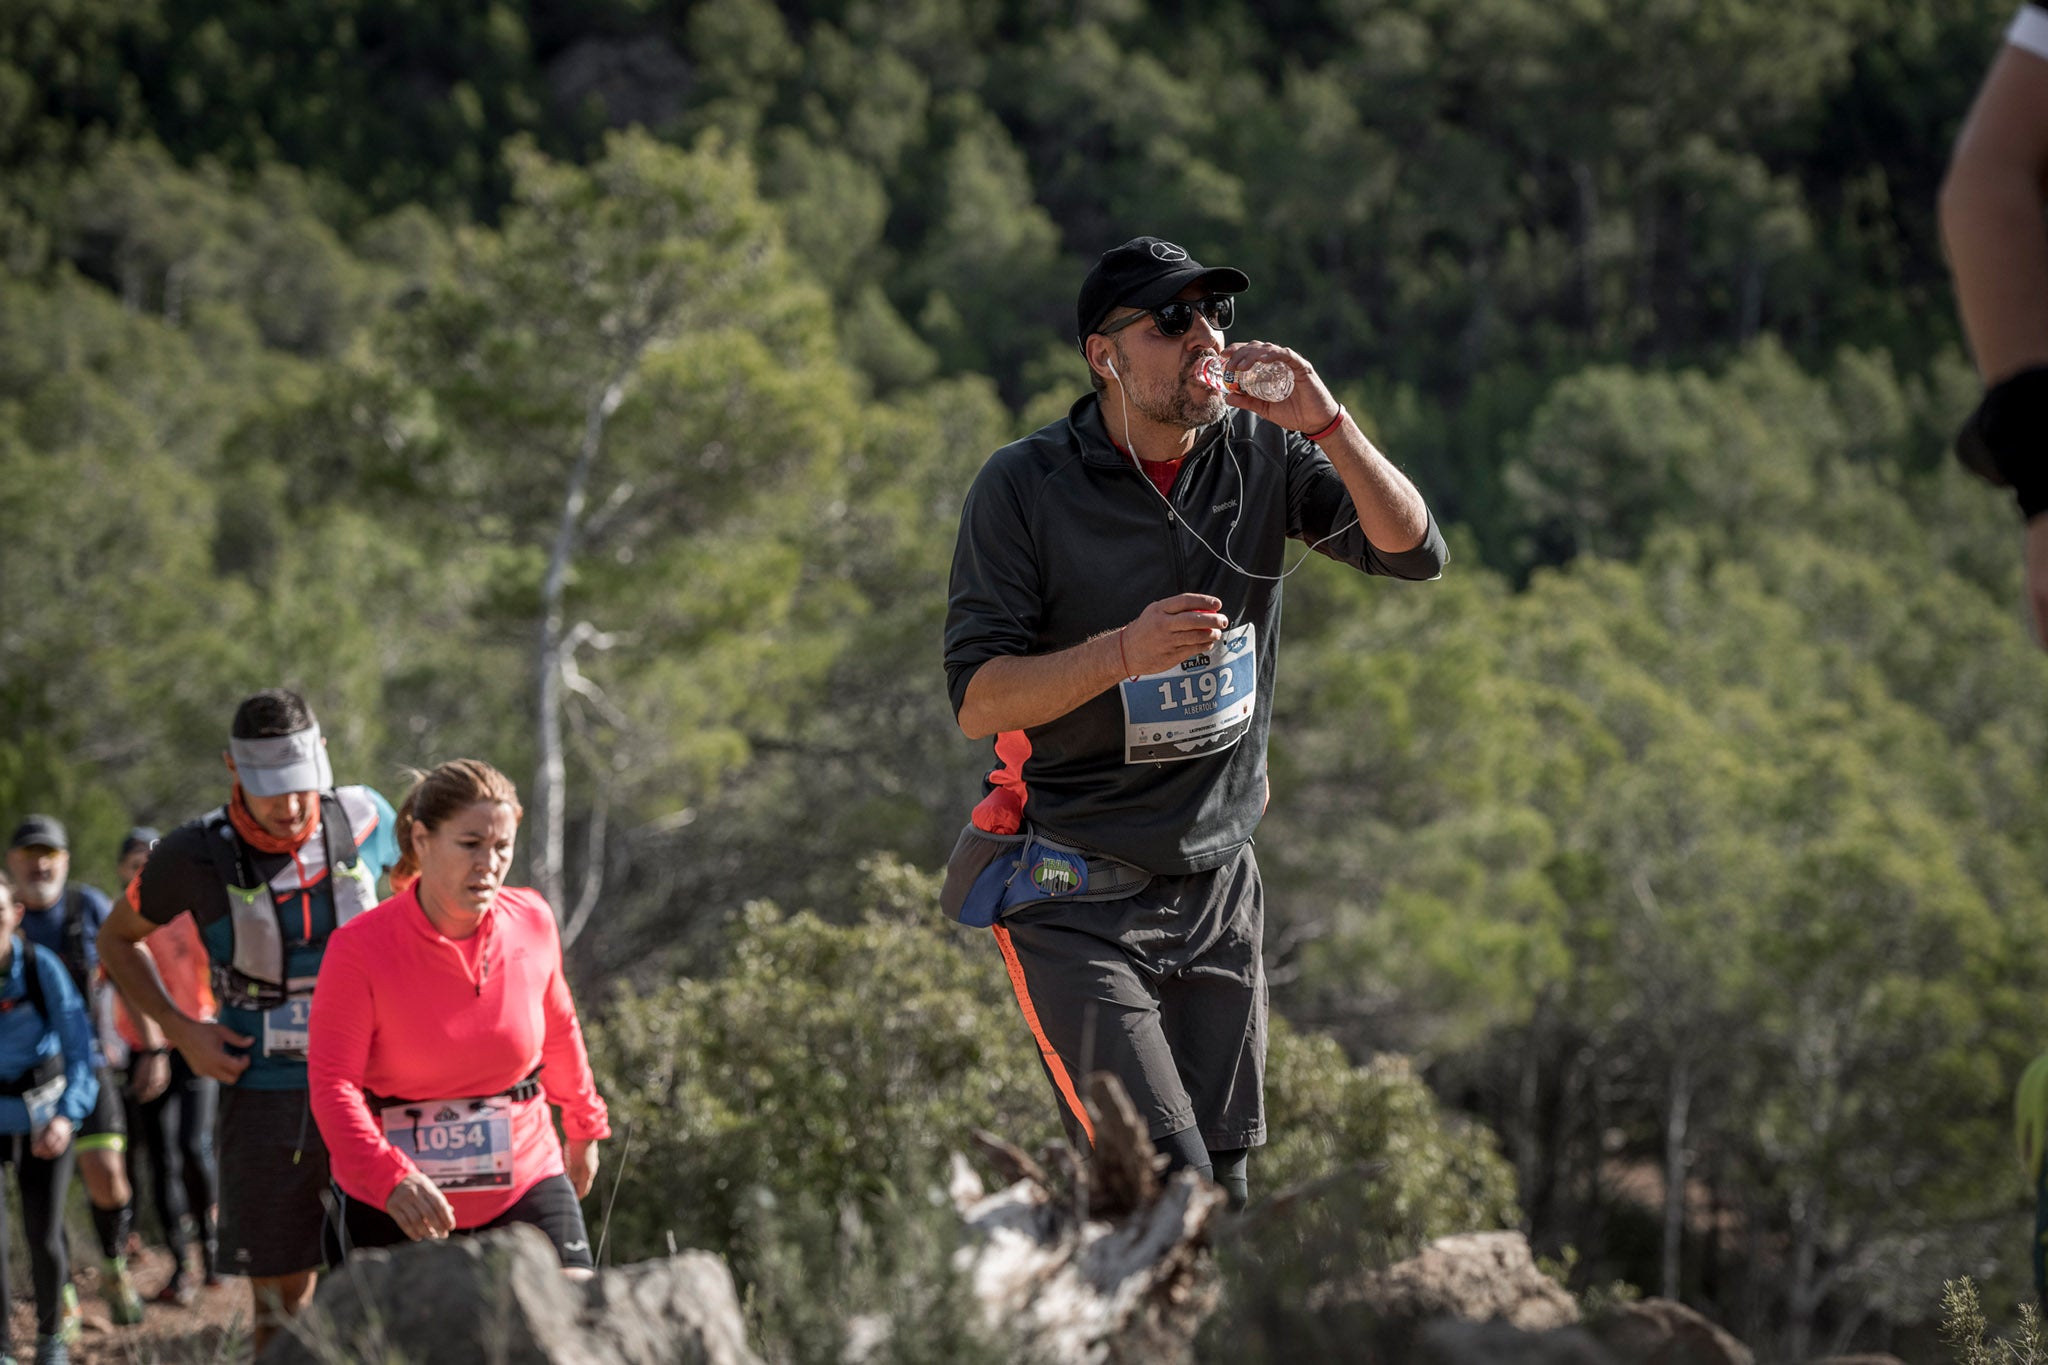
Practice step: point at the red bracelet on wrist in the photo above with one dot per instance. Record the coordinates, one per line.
(1122, 657)
(1335, 422)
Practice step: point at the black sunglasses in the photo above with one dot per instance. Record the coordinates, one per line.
(1175, 316)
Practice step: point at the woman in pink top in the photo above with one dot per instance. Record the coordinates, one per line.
(445, 1029)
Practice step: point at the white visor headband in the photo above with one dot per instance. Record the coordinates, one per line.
(283, 763)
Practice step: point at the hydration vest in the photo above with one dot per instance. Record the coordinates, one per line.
(72, 952)
(255, 976)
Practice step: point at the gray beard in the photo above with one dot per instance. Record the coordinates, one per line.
(1174, 405)
(41, 895)
(1179, 408)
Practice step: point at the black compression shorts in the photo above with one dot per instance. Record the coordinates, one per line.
(551, 1206)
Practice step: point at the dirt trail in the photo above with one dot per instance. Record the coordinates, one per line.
(213, 1331)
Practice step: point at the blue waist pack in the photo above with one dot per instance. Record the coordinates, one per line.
(989, 874)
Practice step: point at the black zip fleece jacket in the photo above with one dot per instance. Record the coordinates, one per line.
(1062, 538)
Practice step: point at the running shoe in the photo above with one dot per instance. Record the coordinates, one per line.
(124, 1305)
(179, 1291)
(52, 1351)
(68, 1326)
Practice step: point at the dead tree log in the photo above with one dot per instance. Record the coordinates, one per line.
(1102, 1261)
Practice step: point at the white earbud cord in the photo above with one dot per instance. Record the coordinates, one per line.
(1230, 450)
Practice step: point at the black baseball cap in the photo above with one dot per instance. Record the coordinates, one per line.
(40, 831)
(142, 836)
(1144, 273)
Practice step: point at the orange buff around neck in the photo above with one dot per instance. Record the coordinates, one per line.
(261, 839)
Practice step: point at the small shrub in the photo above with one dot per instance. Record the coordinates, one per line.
(1963, 1328)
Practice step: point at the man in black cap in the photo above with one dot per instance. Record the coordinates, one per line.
(1115, 603)
(65, 917)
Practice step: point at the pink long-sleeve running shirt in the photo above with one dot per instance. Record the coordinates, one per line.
(401, 1011)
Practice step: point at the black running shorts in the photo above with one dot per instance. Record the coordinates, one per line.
(1166, 990)
(106, 1128)
(273, 1179)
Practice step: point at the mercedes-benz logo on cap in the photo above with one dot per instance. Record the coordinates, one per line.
(1167, 251)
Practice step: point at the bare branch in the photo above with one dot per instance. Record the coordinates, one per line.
(1646, 895)
(573, 679)
(583, 633)
(593, 868)
(600, 521)
(576, 682)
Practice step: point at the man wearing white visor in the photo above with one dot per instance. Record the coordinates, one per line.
(267, 878)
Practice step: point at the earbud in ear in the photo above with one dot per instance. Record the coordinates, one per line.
(1112, 369)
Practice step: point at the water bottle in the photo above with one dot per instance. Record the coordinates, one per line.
(1269, 381)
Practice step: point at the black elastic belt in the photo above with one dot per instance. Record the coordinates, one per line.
(233, 988)
(43, 1072)
(518, 1094)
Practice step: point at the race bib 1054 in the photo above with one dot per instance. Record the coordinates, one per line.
(457, 1144)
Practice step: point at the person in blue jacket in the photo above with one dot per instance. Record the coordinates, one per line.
(47, 1088)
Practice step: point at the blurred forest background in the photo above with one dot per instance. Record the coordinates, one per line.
(592, 387)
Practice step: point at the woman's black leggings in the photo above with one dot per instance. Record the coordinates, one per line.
(551, 1206)
(176, 1130)
(42, 1185)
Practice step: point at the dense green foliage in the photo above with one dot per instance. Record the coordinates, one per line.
(789, 1077)
(791, 1112)
(1694, 821)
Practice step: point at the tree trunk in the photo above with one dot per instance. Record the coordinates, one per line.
(1585, 232)
(1754, 1312)
(1803, 1300)
(1644, 322)
(1750, 316)
(1529, 1142)
(550, 799)
(1677, 1111)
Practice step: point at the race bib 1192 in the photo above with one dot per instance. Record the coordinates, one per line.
(1199, 706)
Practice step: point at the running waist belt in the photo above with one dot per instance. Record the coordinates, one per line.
(518, 1094)
(988, 874)
(41, 1074)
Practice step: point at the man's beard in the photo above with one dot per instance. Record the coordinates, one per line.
(41, 893)
(1178, 405)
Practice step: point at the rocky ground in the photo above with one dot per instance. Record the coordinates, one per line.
(213, 1331)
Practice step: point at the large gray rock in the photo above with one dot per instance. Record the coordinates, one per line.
(1665, 1332)
(502, 1297)
(1649, 1332)
(1479, 1277)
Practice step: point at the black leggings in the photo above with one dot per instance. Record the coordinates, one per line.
(551, 1206)
(42, 1185)
(176, 1132)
